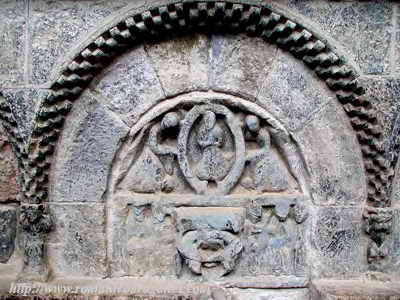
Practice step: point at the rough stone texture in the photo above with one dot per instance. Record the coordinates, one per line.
(239, 66)
(181, 63)
(9, 186)
(394, 253)
(86, 152)
(10, 257)
(181, 156)
(396, 66)
(56, 25)
(279, 294)
(291, 92)
(336, 239)
(395, 196)
(179, 161)
(12, 41)
(77, 246)
(383, 94)
(354, 290)
(394, 241)
(369, 21)
(336, 173)
(8, 232)
(24, 105)
(138, 91)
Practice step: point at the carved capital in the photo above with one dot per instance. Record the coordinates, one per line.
(35, 223)
(377, 224)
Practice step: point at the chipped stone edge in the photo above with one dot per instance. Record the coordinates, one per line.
(148, 22)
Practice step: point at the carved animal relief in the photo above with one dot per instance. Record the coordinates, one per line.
(217, 184)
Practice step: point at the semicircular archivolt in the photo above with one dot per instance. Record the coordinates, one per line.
(194, 16)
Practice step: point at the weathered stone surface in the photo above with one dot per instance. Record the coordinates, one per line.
(239, 64)
(8, 232)
(394, 242)
(10, 254)
(130, 86)
(12, 41)
(10, 258)
(142, 233)
(9, 186)
(374, 56)
(86, 152)
(383, 94)
(395, 195)
(178, 179)
(181, 63)
(278, 294)
(55, 25)
(35, 223)
(363, 28)
(24, 104)
(336, 240)
(336, 173)
(354, 290)
(77, 246)
(208, 189)
(292, 93)
(396, 66)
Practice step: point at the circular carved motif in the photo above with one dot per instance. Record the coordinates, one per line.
(210, 138)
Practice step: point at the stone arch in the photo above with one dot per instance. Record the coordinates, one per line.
(150, 24)
(235, 16)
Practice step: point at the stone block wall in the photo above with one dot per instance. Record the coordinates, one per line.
(95, 228)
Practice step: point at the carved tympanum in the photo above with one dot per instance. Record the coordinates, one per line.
(221, 176)
(208, 149)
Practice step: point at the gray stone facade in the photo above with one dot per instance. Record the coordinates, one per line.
(199, 149)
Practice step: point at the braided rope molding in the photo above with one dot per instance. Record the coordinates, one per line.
(203, 16)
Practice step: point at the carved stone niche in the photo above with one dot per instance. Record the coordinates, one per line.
(215, 189)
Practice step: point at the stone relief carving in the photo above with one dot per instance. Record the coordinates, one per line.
(35, 223)
(220, 182)
(260, 21)
(208, 149)
(377, 224)
(209, 237)
(8, 231)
